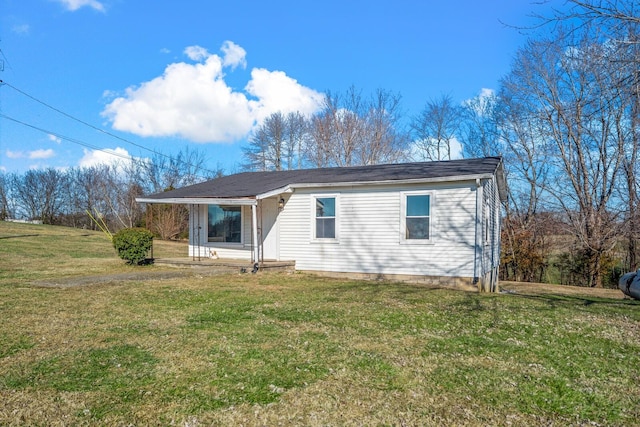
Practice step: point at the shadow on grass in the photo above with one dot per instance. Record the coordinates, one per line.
(556, 300)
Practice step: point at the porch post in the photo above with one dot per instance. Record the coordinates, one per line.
(254, 231)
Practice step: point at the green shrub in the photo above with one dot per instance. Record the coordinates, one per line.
(133, 244)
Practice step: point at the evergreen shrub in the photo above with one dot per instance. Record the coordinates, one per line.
(133, 244)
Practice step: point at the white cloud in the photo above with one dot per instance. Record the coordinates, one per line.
(195, 102)
(74, 5)
(276, 91)
(54, 138)
(234, 55)
(485, 93)
(196, 53)
(14, 154)
(21, 29)
(115, 157)
(41, 154)
(481, 102)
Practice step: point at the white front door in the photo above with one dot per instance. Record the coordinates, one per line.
(270, 246)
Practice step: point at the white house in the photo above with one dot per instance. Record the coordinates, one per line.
(435, 222)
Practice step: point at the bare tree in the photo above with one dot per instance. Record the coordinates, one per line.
(296, 135)
(256, 153)
(351, 130)
(615, 17)
(277, 143)
(568, 85)
(319, 145)
(162, 171)
(618, 22)
(384, 141)
(478, 130)
(6, 209)
(434, 129)
(525, 229)
(345, 116)
(40, 194)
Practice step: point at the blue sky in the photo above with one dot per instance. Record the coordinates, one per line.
(168, 75)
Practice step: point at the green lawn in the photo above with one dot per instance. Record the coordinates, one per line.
(295, 349)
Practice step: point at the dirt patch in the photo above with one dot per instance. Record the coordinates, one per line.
(19, 236)
(69, 282)
(508, 287)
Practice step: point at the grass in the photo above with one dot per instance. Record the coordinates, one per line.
(295, 349)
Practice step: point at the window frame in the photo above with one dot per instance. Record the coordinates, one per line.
(403, 217)
(314, 237)
(222, 243)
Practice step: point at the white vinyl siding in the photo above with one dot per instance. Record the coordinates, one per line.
(491, 219)
(489, 257)
(369, 221)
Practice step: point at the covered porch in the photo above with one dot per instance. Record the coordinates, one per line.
(230, 232)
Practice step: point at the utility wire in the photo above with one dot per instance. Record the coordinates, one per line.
(66, 138)
(57, 110)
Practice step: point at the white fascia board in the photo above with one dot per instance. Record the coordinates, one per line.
(276, 192)
(198, 201)
(502, 183)
(456, 178)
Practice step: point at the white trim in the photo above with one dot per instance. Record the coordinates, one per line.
(313, 198)
(391, 181)
(200, 201)
(290, 188)
(254, 231)
(276, 192)
(403, 217)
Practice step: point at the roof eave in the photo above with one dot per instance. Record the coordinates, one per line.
(239, 201)
(291, 187)
(455, 178)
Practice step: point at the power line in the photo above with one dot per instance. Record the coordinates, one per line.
(57, 110)
(66, 138)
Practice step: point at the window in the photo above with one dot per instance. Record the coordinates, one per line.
(225, 223)
(325, 208)
(417, 217)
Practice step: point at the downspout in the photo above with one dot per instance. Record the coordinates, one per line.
(496, 241)
(192, 234)
(260, 233)
(254, 233)
(197, 227)
(477, 252)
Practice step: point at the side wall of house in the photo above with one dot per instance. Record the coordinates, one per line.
(369, 237)
(490, 235)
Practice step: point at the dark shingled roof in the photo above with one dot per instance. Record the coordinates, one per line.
(251, 184)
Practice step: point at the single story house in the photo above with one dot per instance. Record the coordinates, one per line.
(434, 222)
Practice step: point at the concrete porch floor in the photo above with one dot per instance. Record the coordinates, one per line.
(231, 265)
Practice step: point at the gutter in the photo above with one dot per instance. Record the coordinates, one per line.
(290, 188)
(200, 201)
